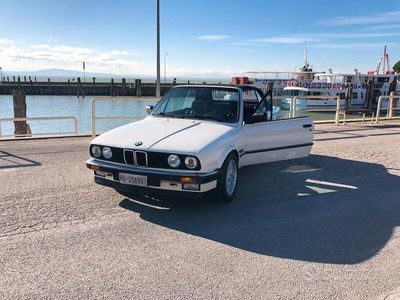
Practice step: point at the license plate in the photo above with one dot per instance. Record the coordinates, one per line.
(132, 179)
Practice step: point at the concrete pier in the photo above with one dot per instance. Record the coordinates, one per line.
(322, 227)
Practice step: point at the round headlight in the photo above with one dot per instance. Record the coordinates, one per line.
(107, 153)
(174, 161)
(96, 151)
(191, 162)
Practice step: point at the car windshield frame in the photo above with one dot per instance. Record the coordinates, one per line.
(185, 113)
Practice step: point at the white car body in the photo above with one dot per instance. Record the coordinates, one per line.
(207, 140)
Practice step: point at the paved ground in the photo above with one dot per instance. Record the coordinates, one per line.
(324, 227)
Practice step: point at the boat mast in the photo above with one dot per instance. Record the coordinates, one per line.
(378, 67)
(386, 62)
(305, 56)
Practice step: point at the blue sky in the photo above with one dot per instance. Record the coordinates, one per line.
(203, 38)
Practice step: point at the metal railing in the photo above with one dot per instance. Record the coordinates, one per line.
(73, 118)
(114, 99)
(389, 108)
(293, 108)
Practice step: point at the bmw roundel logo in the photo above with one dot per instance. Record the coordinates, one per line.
(138, 144)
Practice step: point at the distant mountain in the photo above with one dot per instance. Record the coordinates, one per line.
(63, 74)
(60, 73)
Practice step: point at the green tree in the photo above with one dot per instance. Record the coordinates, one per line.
(396, 67)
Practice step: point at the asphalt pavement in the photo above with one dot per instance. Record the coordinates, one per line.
(322, 227)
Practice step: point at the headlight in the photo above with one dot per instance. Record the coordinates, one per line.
(174, 161)
(107, 153)
(96, 151)
(191, 162)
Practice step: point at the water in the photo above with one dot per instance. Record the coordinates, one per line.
(45, 106)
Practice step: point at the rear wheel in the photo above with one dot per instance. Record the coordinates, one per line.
(227, 180)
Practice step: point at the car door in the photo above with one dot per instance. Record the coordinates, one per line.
(269, 140)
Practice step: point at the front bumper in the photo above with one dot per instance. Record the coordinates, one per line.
(157, 180)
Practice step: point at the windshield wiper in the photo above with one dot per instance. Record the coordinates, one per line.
(162, 114)
(200, 117)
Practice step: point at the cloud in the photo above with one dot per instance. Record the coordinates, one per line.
(349, 45)
(281, 40)
(313, 37)
(40, 56)
(387, 17)
(353, 35)
(380, 27)
(213, 37)
(5, 41)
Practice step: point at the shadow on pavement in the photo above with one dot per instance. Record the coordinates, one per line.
(319, 209)
(9, 160)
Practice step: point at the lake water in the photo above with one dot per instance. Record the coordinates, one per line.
(45, 106)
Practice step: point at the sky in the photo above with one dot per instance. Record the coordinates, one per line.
(207, 38)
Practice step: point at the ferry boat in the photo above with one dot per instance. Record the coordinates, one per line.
(329, 84)
(278, 80)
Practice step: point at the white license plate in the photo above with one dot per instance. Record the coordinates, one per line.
(132, 179)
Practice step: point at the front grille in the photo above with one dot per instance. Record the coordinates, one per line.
(141, 158)
(136, 158)
(129, 157)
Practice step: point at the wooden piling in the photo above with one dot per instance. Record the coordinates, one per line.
(49, 85)
(79, 90)
(112, 87)
(123, 86)
(138, 87)
(369, 94)
(19, 101)
(348, 97)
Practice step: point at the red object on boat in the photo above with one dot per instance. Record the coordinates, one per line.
(235, 80)
(240, 80)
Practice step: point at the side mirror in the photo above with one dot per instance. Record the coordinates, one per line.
(149, 108)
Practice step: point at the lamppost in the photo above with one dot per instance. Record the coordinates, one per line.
(1, 74)
(158, 93)
(165, 68)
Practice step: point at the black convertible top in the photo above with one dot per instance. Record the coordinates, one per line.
(243, 87)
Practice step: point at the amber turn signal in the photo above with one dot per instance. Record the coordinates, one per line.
(187, 180)
(95, 168)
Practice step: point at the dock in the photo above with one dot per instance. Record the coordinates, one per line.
(78, 87)
(331, 219)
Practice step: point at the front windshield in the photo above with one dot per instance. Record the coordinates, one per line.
(207, 103)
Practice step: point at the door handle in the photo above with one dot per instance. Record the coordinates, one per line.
(307, 125)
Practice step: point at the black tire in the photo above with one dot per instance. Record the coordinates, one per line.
(222, 194)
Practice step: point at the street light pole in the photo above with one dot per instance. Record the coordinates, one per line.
(165, 68)
(158, 93)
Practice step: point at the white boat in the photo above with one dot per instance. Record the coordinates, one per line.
(277, 79)
(330, 84)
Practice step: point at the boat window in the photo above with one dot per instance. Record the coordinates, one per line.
(348, 79)
(383, 79)
(355, 95)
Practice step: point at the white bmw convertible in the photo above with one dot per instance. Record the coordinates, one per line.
(195, 140)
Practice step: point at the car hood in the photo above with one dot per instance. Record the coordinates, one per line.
(164, 135)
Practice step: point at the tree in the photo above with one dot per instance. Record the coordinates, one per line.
(396, 67)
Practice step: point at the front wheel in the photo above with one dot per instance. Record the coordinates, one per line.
(227, 180)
